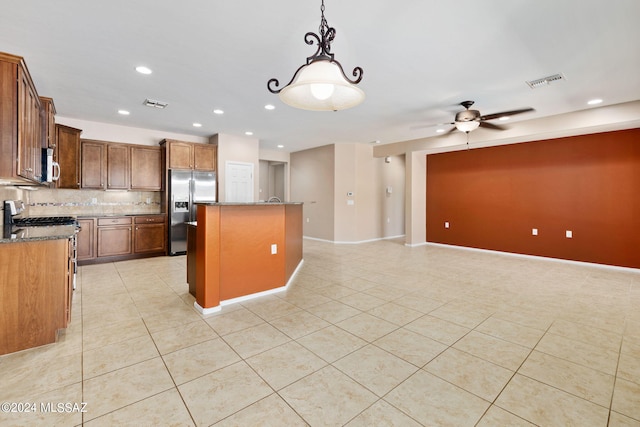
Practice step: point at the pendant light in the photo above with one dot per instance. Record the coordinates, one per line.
(320, 84)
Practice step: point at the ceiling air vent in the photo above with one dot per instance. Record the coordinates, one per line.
(533, 84)
(155, 104)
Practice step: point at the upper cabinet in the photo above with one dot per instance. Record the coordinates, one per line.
(146, 168)
(188, 155)
(21, 117)
(116, 166)
(49, 124)
(67, 153)
(93, 164)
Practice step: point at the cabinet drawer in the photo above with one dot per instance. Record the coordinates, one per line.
(152, 219)
(126, 220)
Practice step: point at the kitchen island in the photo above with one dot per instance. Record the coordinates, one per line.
(244, 250)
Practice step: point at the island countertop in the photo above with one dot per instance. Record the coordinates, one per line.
(248, 203)
(31, 234)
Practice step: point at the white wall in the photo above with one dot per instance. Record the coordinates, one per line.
(312, 182)
(344, 190)
(130, 135)
(237, 149)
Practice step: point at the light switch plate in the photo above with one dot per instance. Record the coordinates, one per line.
(569, 234)
(446, 224)
(534, 231)
(274, 249)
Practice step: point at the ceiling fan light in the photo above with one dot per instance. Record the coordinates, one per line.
(320, 86)
(467, 126)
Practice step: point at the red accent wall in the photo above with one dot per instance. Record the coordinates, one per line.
(493, 197)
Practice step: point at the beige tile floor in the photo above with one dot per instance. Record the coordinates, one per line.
(376, 334)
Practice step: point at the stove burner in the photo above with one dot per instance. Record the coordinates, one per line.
(43, 221)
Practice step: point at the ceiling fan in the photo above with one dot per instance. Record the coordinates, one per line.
(468, 120)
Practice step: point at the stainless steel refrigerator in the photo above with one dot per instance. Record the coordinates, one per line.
(186, 188)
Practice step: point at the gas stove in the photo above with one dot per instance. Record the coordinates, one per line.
(43, 221)
(13, 208)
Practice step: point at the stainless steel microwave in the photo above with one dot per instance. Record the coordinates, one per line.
(50, 169)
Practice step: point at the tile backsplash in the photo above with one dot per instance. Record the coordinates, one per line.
(53, 202)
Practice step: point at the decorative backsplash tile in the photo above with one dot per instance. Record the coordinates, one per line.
(45, 202)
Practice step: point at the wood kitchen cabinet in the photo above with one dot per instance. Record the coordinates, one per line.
(21, 134)
(117, 238)
(146, 168)
(118, 167)
(37, 287)
(188, 155)
(114, 236)
(86, 239)
(93, 169)
(30, 140)
(49, 124)
(149, 234)
(68, 155)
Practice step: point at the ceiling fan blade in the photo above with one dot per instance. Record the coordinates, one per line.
(492, 126)
(430, 126)
(506, 113)
(452, 130)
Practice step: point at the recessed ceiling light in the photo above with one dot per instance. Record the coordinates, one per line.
(123, 112)
(503, 118)
(197, 125)
(218, 111)
(280, 146)
(439, 130)
(248, 133)
(269, 107)
(595, 101)
(143, 70)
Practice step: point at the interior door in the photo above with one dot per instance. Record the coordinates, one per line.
(238, 182)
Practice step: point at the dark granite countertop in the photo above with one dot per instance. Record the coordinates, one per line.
(32, 234)
(247, 203)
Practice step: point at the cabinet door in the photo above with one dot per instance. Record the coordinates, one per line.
(92, 165)
(86, 239)
(118, 167)
(146, 168)
(29, 131)
(68, 149)
(180, 155)
(49, 124)
(114, 240)
(204, 157)
(149, 238)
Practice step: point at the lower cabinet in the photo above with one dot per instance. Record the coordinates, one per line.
(114, 236)
(106, 239)
(149, 234)
(86, 239)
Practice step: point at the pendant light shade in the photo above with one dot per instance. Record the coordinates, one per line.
(321, 84)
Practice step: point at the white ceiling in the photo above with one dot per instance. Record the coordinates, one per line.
(420, 59)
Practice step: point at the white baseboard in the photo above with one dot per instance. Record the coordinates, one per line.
(537, 257)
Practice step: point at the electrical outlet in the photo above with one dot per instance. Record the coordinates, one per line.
(307, 219)
(446, 224)
(569, 234)
(534, 231)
